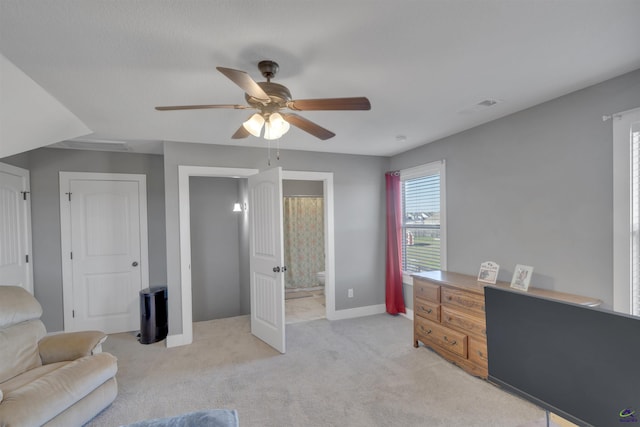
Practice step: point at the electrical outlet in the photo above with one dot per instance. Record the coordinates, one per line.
(350, 293)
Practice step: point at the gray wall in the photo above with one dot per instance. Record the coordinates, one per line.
(359, 214)
(215, 246)
(535, 188)
(44, 165)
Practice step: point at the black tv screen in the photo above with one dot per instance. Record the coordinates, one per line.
(579, 362)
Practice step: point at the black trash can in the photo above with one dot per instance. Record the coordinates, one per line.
(153, 314)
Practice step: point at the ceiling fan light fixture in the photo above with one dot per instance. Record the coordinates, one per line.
(275, 127)
(254, 125)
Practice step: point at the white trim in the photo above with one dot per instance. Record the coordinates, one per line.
(622, 262)
(178, 340)
(329, 238)
(184, 172)
(408, 314)
(65, 232)
(351, 313)
(443, 216)
(26, 186)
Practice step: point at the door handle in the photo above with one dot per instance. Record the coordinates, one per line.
(134, 263)
(276, 269)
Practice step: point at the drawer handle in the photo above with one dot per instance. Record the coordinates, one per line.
(454, 342)
(480, 353)
(450, 298)
(423, 330)
(428, 310)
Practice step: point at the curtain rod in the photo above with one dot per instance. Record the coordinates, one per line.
(303, 195)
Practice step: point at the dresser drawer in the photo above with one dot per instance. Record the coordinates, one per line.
(465, 300)
(426, 309)
(435, 334)
(478, 352)
(426, 291)
(470, 324)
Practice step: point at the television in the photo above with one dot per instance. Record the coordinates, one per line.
(579, 362)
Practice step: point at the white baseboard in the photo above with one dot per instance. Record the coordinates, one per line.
(408, 314)
(351, 313)
(177, 340)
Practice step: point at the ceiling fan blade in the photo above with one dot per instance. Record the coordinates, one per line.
(359, 103)
(245, 82)
(202, 107)
(240, 133)
(308, 126)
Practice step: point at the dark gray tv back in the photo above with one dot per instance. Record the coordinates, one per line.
(579, 362)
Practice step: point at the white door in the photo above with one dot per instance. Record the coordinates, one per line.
(107, 266)
(266, 258)
(15, 228)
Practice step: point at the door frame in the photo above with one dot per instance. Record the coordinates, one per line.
(26, 186)
(65, 232)
(184, 172)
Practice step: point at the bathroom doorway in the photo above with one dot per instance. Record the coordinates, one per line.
(304, 250)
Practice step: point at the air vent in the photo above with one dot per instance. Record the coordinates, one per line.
(97, 145)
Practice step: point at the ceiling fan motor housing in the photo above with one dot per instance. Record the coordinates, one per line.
(268, 69)
(278, 93)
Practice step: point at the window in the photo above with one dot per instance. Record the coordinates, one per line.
(635, 218)
(423, 223)
(626, 212)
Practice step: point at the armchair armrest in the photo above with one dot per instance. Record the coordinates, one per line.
(70, 346)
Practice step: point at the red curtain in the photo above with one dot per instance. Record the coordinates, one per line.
(394, 296)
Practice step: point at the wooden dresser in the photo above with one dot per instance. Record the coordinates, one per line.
(449, 316)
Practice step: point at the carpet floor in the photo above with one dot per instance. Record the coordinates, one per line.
(354, 372)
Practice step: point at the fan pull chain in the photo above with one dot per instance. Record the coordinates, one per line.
(268, 153)
(278, 148)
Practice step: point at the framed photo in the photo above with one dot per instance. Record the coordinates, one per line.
(522, 277)
(488, 272)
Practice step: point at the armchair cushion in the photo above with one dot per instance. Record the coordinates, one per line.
(56, 390)
(17, 305)
(70, 346)
(19, 348)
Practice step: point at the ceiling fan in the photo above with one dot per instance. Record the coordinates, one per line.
(270, 99)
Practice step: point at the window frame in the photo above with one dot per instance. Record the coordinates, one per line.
(432, 168)
(622, 210)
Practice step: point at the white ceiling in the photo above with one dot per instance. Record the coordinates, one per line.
(424, 64)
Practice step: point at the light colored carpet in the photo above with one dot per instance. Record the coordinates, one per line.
(303, 309)
(355, 372)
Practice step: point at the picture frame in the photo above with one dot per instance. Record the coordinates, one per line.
(521, 277)
(488, 272)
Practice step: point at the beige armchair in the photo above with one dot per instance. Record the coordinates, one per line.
(56, 380)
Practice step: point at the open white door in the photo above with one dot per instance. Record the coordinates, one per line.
(15, 228)
(266, 258)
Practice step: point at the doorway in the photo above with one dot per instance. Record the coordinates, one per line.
(15, 228)
(219, 253)
(184, 173)
(304, 251)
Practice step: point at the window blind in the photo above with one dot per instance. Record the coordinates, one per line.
(422, 240)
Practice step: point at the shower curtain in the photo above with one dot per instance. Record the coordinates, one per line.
(303, 240)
